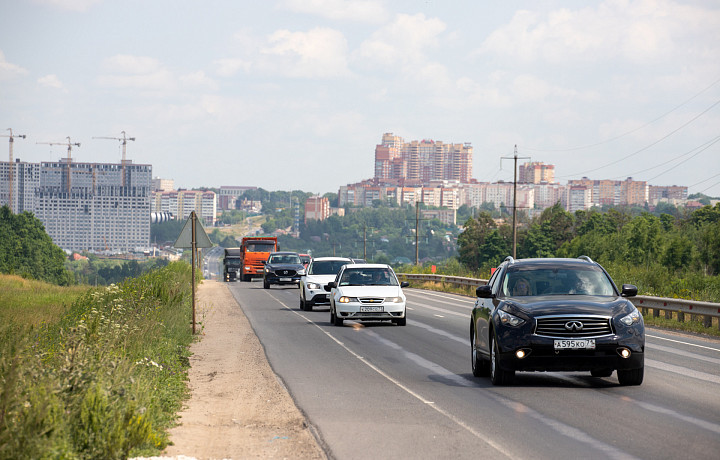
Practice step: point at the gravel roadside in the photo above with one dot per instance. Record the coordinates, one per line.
(238, 407)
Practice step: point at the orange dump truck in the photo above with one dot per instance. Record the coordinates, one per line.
(254, 251)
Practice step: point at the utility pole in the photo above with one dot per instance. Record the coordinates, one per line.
(69, 156)
(11, 168)
(417, 232)
(124, 140)
(514, 215)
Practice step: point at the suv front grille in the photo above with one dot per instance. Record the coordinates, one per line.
(573, 326)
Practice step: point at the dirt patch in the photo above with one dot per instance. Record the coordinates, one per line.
(238, 407)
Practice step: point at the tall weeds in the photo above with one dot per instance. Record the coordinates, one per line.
(106, 380)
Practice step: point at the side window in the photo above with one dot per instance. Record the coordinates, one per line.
(494, 280)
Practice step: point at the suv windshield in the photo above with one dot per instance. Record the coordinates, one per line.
(326, 267)
(285, 259)
(534, 281)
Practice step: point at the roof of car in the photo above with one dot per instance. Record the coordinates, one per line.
(369, 266)
(344, 259)
(283, 253)
(582, 260)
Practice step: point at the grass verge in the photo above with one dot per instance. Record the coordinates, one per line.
(106, 379)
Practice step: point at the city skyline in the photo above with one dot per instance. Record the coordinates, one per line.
(302, 90)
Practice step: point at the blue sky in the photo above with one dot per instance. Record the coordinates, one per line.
(295, 94)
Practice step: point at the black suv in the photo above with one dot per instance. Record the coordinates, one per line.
(556, 315)
(283, 268)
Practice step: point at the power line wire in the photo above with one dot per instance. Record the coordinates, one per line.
(607, 141)
(646, 147)
(711, 177)
(706, 145)
(687, 159)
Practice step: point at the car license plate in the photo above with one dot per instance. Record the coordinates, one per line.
(371, 309)
(285, 280)
(575, 344)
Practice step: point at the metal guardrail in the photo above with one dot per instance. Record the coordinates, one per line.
(707, 310)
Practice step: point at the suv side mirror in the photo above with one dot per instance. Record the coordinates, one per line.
(484, 291)
(404, 284)
(629, 290)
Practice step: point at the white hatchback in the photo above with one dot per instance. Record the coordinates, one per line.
(367, 292)
(321, 271)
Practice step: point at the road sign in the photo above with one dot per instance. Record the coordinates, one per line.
(186, 237)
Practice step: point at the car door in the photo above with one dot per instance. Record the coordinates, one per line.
(482, 312)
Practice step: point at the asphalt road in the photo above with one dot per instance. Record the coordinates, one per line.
(382, 391)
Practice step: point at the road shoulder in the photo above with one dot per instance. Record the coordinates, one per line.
(238, 407)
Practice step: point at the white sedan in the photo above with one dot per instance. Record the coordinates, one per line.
(321, 271)
(367, 292)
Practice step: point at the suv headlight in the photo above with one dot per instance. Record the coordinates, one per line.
(312, 286)
(301, 272)
(509, 320)
(632, 318)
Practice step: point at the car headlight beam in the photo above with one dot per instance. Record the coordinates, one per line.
(393, 299)
(313, 286)
(345, 299)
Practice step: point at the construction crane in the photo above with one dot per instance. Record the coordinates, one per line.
(124, 140)
(69, 156)
(11, 168)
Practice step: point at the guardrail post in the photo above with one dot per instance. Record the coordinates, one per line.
(681, 316)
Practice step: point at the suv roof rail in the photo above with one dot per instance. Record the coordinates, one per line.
(509, 259)
(586, 258)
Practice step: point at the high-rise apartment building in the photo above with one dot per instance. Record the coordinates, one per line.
(317, 208)
(420, 162)
(536, 172)
(26, 177)
(95, 206)
(180, 203)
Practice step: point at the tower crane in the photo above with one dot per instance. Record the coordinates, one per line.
(124, 140)
(11, 167)
(69, 156)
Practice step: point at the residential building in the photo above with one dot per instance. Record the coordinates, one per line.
(536, 172)
(95, 206)
(670, 193)
(26, 178)
(317, 208)
(163, 184)
(180, 203)
(228, 195)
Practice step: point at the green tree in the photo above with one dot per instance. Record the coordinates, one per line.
(26, 249)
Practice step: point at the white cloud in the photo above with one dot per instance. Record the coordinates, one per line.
(356, 10)
(198, 80)
(635, 31)
(318, 53)
(230, 67)
(406, 39)
(71, 5)
(136, 72)
(9, 70)
(52, 81)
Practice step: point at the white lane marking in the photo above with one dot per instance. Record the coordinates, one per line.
(662, 410)
(560, 427)
(397, 383)
(683, 371)
(687, 354)
(442, 310)
(439, 316)
(681, 342)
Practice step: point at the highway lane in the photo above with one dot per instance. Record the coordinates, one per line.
(383, 391)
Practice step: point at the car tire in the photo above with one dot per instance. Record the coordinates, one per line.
(336, 320)
(480, 366)
(601, 372)
(308, 305)
(400, 321)
(302, 304)
(266, 285)
(498, 376)
(630, 376)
